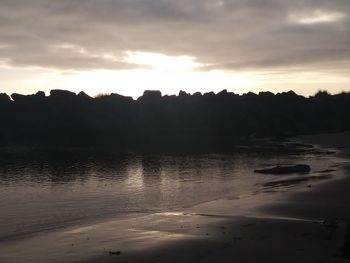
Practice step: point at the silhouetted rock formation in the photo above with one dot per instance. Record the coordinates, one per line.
(4, 98)
(153, 120)
(299, 168)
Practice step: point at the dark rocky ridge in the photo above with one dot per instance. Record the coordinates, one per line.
(151, 121)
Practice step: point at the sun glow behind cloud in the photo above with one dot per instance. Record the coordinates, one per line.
(156, 71)
(169, 74)
(134, 82)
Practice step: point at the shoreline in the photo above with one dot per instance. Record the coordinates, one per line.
(278, 227)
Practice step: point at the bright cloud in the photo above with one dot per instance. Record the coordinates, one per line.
(161, 61)
(318, 17)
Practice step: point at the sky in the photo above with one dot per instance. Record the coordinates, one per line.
(128, 46)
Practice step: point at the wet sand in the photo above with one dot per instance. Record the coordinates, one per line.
(307, 224)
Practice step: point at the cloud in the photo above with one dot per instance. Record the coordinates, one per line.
(220, 34)
(161, 61)
(318, 17)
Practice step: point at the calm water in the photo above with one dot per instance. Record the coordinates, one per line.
(43, 189)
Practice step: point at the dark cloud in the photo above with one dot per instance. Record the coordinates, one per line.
(231, 34)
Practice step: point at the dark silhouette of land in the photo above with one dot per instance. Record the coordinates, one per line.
(198, 120)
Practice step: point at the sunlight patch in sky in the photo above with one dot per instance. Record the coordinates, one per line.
(70, 48)
(161, 61)
(317, 17)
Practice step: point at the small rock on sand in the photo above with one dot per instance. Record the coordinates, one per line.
(115, 252)
(330, 223)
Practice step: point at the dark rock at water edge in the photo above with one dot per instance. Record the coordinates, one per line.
(299, 168)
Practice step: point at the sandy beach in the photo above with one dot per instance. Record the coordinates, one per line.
(307, 224)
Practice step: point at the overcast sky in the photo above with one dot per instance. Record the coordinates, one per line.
(126, 46)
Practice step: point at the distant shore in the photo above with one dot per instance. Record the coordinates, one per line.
(305, 225)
